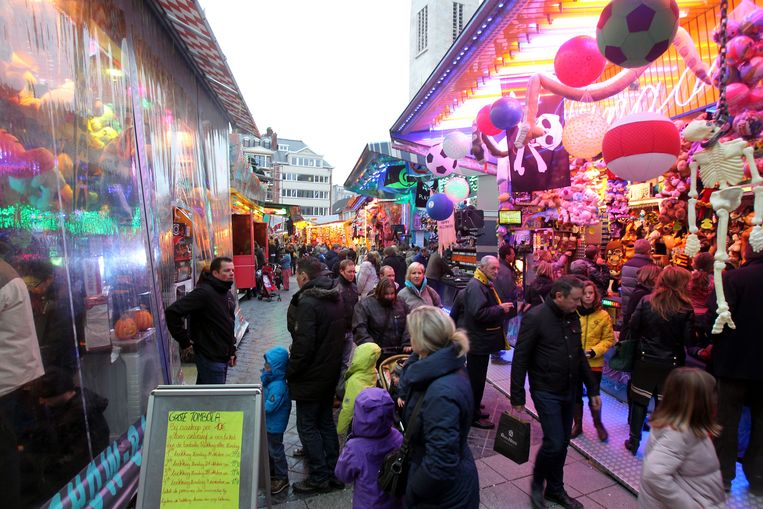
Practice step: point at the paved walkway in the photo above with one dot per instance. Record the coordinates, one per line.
(503, 484)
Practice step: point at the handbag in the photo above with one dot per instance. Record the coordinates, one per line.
(512, 439)
(393, 473)
(625, 352)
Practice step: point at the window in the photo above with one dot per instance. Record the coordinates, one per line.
(283, 148)
(458, 19)
(423, 27)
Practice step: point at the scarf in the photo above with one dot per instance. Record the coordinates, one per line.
(482, 278)
(413, 287)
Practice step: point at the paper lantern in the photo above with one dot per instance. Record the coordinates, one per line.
(506, 113)
(439, 163)
(641, 146)
(439, 207)
(583, 134)
(633, 33)
(484, 124)
(457, 189)
(456, 145)
(578, 62)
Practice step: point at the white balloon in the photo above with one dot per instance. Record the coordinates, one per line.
(457, 189)
(456, 145)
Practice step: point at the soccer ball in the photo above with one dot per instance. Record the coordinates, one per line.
(440, 164)
(633, 33)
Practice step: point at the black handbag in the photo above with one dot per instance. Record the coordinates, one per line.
(512, 439)
(393, 473)
(625, 352)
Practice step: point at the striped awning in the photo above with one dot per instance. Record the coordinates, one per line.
(187, 20)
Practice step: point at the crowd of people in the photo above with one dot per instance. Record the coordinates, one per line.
(350, 315)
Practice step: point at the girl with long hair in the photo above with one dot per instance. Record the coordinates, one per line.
(681, 468)
(597, 336)
(368, 274)
(663, 324)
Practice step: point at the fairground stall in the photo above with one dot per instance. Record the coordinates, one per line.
(584, 120)
(114, 193)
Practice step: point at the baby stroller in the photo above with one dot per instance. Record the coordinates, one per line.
(266, 284)
(389, 370)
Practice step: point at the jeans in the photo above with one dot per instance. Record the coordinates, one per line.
(732, 395)
(555, 414)
(209, 371)
(317, 432)
(278, 467)
(476, 367)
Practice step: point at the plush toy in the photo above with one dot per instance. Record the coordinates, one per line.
(580, 201)
(19, 73)
(616, 199)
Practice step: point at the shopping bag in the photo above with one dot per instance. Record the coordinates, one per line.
(513, 438)
(512, 330)
(625, 352)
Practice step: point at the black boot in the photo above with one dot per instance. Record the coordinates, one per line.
(637, 417)
(601, 431)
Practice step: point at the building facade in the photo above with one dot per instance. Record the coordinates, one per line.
(435, 24)
(304, 178)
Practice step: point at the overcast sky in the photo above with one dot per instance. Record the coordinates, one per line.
(333, 73)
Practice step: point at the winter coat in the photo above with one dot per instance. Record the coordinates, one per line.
(442, 470)
(597, 334)
(700, 286)
(437, 268)
(639, 293)
(505, 283)
(210, 309)
(680, 471)
(397, 262)
(276, 392)
(385, 326)
(628, 276)
(360, 375)
(737, 352)
(331, 258)
(318, 341)
(538, 290)
(414, 297)
(457, 310)
(373, 436)
(549, 350)
(483, 319)
(367, 279)
(661, 341)
(420, 258)
(286, 261)
(349, 293)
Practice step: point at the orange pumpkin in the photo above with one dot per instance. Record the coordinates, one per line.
(125, 328)
(143, 319)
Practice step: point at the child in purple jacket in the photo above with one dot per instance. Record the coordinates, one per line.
(373, 436)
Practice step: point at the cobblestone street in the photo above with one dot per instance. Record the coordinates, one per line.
(503, 484)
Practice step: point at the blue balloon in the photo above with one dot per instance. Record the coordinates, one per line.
(506, 113)
(439, 207)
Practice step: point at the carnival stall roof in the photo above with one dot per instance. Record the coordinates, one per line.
(506, 43)
(385, 172)
(189, 26)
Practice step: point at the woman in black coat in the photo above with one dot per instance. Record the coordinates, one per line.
(537, 291)
(442, 472)
(380, 319)
(663, 323)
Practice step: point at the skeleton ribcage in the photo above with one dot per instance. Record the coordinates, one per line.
(717, 166)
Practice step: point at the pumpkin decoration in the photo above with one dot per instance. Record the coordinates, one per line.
(125, 328)
(143, 319)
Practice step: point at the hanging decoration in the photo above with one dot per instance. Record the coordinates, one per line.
(484, 124)
(506, 113)
(634, 33)
(439, 163)
(456, 145)
(578, 62)
(583, 134)
(641, 146)
(439, 207)
(457, 189)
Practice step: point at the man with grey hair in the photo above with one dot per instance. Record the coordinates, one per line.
(483, 319)
(628, 282)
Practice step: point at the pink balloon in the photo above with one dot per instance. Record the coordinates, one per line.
(579, 62)
(751, 71)
(484, 124)
(755, 99)
(739, 49)
(737, 95)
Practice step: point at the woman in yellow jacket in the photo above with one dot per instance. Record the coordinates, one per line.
(597, 336)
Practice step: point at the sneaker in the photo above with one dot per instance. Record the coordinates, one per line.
(278, 486)
(336, 484)
(308, 486)
(497, 358)
(632, 446)
(482, 424)
(298, 452)
(563, 499)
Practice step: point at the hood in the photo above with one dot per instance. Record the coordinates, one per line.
(373, 415)
(434, 366)
(364, 360)
(278, 358)
(322, 287)
(417, 291)
(219, 286)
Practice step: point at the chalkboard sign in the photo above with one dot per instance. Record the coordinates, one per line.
(205, 446)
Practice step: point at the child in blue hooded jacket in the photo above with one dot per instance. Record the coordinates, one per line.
(277, 410)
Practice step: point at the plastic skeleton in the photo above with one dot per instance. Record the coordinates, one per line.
(721, 164)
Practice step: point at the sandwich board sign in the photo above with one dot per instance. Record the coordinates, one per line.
(205, 447)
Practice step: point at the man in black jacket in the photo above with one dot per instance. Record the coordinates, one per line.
(397, 262)
(313, 371)
(349, 292)
(483, 319)
(550, 350)
(210, 308)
